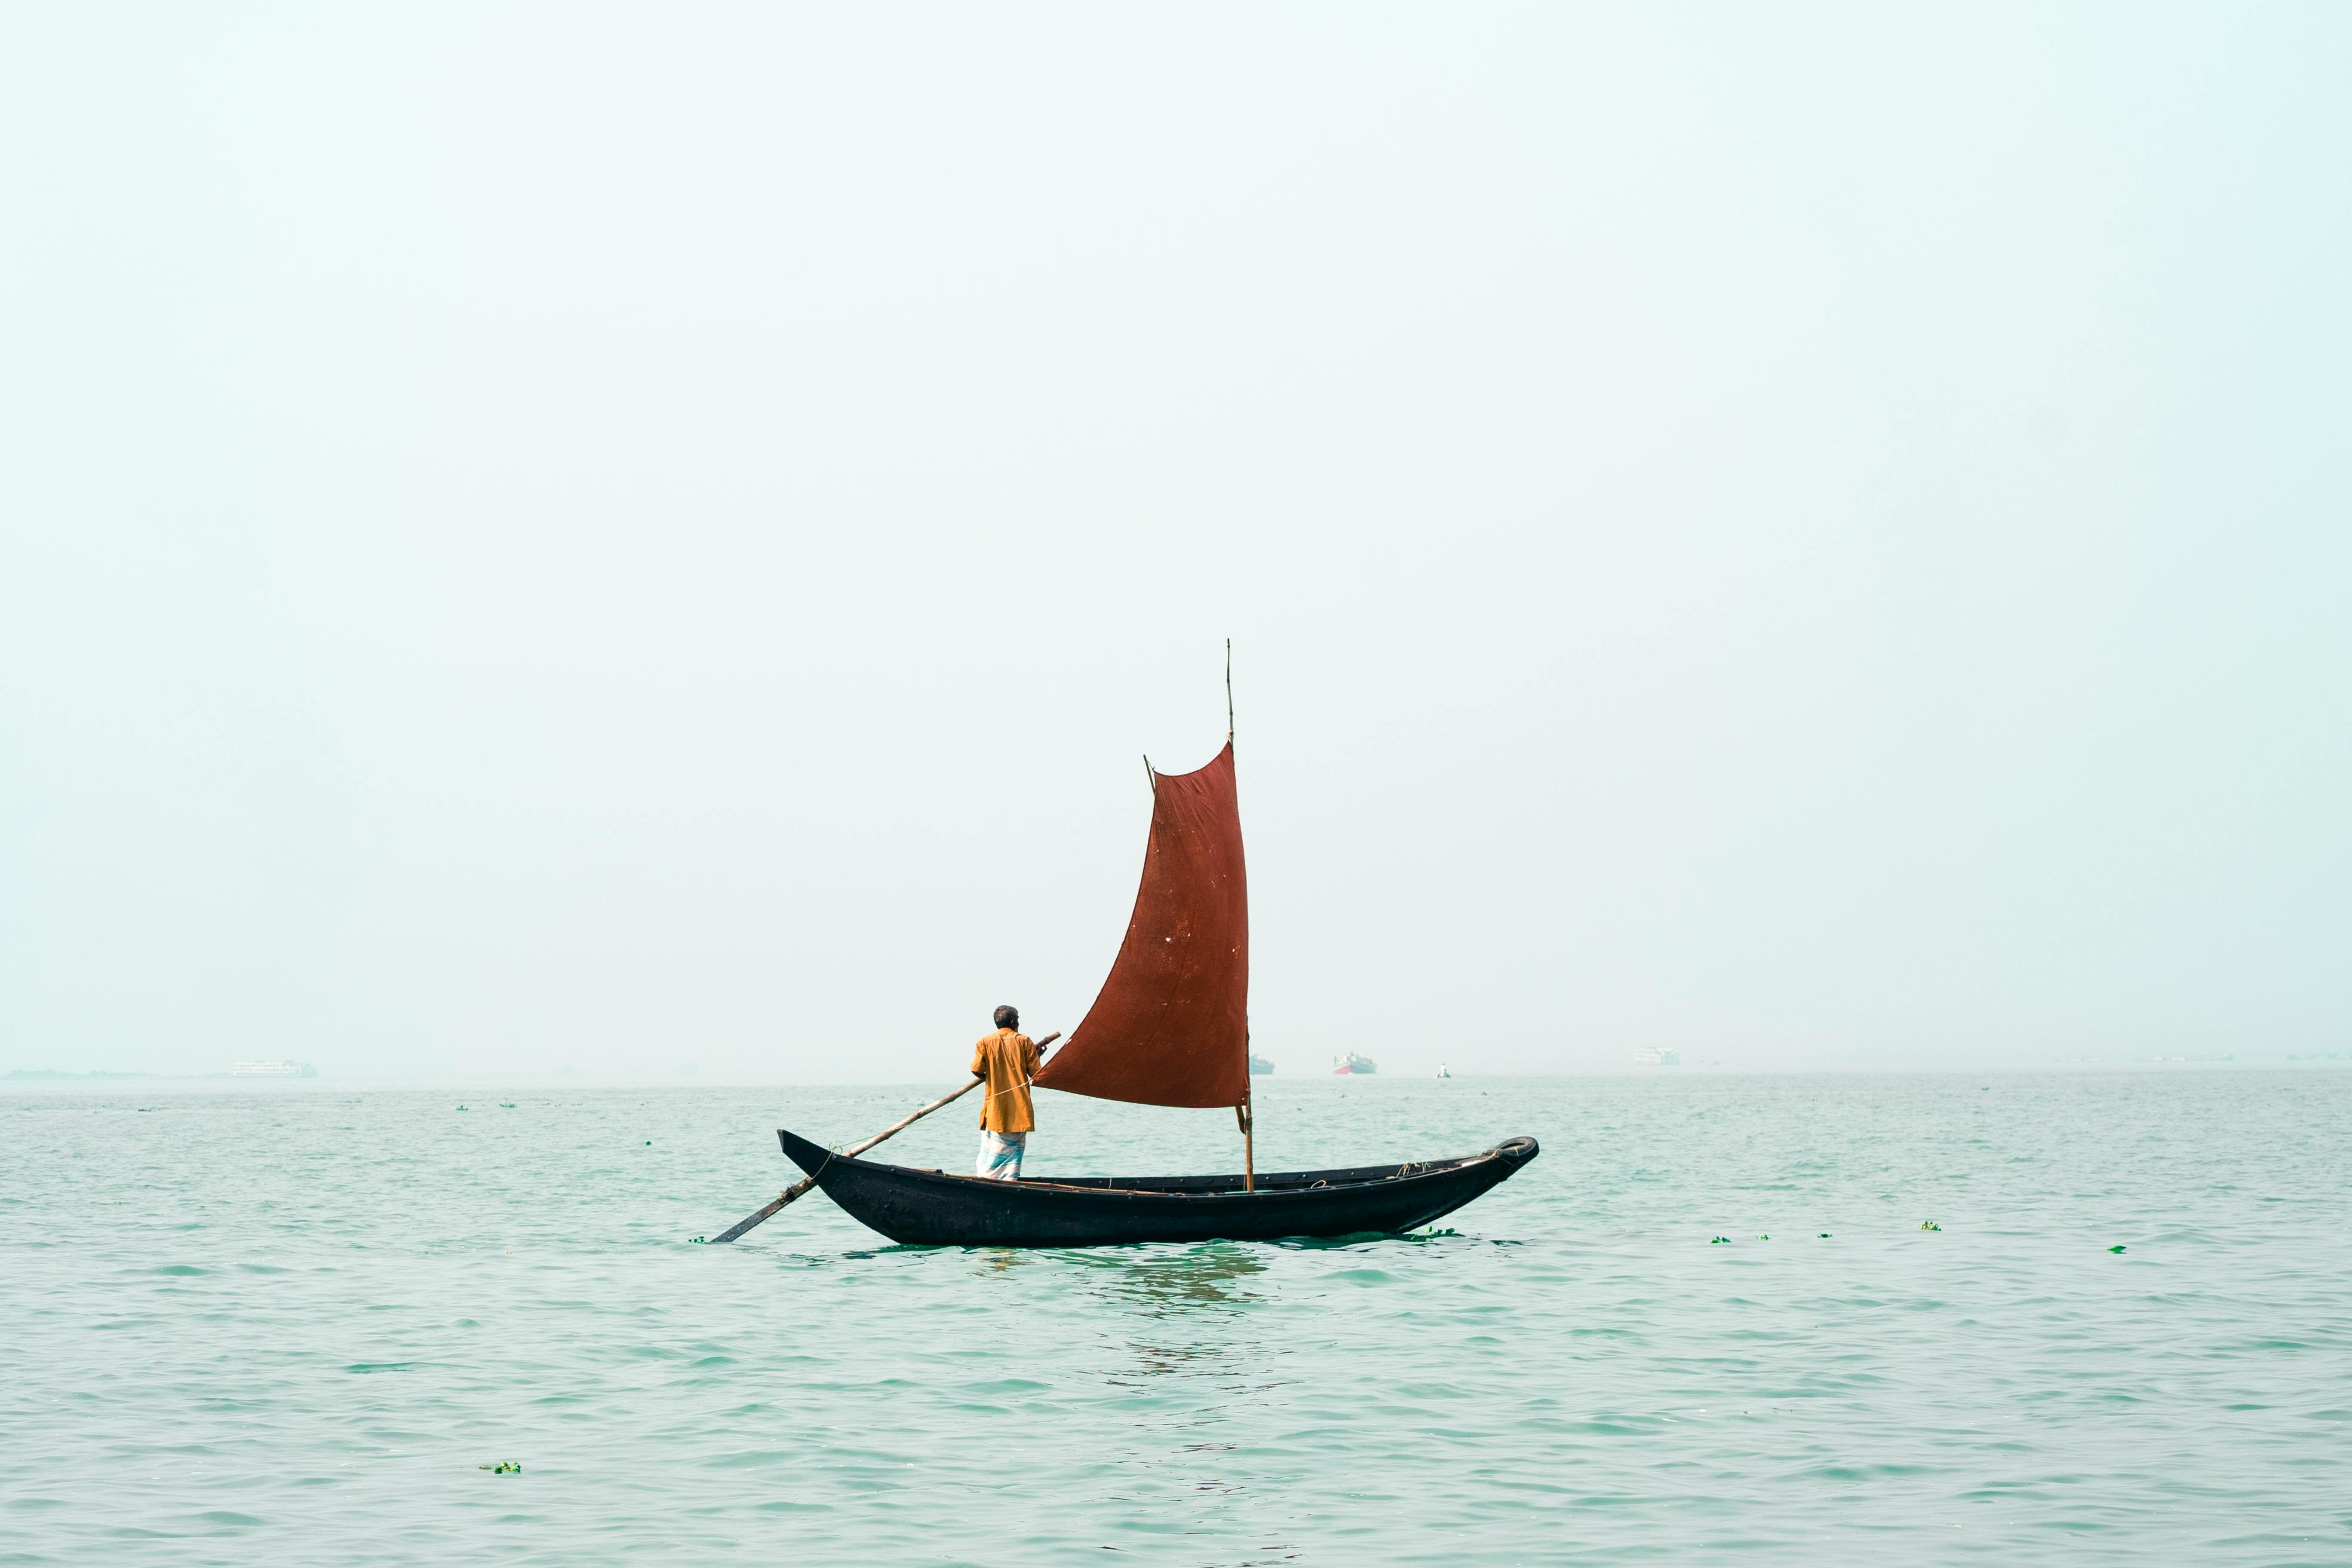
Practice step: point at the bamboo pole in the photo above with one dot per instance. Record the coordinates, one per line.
(802, 1186)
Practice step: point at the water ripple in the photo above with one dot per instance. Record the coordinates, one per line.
(296, 1326)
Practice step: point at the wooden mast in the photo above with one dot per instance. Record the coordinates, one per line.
(1241, 1112)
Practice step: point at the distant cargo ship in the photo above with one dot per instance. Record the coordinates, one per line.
(1351, 1063)
(273, 1069)
(1259, 1066)
(1656, 1057)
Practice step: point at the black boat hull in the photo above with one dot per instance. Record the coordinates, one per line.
(934, 1208)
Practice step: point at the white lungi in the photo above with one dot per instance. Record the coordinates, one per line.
(1000, 1155)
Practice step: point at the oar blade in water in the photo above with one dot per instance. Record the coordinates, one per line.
(761, 1217)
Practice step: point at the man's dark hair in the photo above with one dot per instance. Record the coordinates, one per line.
(1008, 1017)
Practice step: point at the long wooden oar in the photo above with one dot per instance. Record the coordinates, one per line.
(805, 1183)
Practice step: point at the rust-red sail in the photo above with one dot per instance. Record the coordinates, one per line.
(1171, 1024)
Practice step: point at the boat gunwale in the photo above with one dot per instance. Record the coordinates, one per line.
(1274, 1183)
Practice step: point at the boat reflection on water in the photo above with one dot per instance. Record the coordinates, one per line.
(1157, 1283)
(1168, 1284)
(998, 1260)
(1165, 1335)
(1181, 1356)
(1192, 1302)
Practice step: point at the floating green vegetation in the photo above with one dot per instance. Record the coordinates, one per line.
(503, 1468)
(2115, 1249)
(1825, 1236)
(1763, 1239)
(1929, 1224)
(506, 1105)
(700, 1240)
(1720, 1241)
(461, 1108)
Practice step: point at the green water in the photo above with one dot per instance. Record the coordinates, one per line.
(290, 1326)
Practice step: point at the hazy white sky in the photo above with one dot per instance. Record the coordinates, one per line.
(543, 537)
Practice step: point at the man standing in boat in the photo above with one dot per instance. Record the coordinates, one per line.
(1005, 1061)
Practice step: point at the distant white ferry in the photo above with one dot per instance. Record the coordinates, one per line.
(1656, 1057)
(272, 1069)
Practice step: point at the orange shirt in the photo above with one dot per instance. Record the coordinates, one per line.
(1008, 1059)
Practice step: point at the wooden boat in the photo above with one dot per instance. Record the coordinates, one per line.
(1170, 1027)
(938, 1208)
